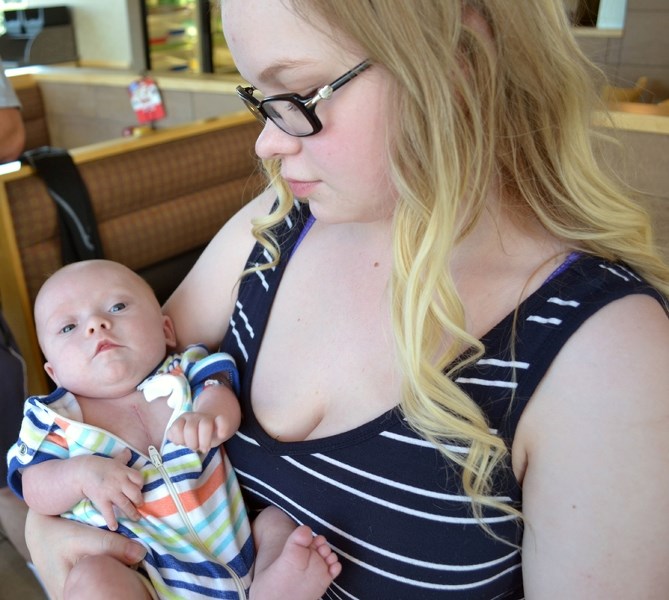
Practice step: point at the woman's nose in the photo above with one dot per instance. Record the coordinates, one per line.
(275, 143)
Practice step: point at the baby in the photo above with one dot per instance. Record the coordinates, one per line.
(138, 435)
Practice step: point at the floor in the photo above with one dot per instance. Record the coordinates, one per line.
(16, 579)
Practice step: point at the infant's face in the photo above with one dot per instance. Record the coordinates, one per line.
(100, 328)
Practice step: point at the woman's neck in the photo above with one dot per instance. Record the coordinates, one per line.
(503, 259)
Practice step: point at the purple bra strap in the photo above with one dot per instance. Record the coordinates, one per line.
(307, 226)
(571, 259)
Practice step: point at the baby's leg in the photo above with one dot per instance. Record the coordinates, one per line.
(290, 562)
(104, 577)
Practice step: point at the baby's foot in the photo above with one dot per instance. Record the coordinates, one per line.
(303, 571)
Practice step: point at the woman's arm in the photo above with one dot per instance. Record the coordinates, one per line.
(203, 303)
(595, 438)
(56, 544)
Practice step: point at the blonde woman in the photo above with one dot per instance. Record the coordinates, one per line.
(451, 328)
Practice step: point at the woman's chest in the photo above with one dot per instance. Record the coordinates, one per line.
(327, 362)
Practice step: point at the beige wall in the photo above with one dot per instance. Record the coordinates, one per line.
(86, 106)
(642, 160)
(642, 50)
(85, 114)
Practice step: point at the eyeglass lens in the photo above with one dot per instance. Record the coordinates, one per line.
(289, 117)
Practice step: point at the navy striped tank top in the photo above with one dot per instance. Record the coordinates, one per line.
(392, 508)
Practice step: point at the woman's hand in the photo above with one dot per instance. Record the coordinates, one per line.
(56, 544)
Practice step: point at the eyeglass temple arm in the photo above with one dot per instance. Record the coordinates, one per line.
(326, 91)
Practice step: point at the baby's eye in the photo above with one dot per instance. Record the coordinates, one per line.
(118, 307)
(67, 328)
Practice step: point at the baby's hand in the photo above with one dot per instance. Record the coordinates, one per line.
(198, 431)
(109, 482)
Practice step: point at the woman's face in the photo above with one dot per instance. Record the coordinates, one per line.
(342, 170)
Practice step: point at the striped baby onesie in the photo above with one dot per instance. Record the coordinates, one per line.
(390, 505)
(193, 523)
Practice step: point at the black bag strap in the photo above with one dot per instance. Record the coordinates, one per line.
(79, 235)
(6, 337)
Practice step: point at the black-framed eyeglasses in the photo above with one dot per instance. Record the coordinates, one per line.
(292, 113)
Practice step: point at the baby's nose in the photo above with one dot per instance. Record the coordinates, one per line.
(96, 323)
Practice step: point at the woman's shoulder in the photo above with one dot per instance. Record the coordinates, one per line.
(600, 281)
(589, 286)
(629, 328)
(240, 223)
(591, 447)
(617, 327)
(612, 368)
(202, 304)
(595, 333)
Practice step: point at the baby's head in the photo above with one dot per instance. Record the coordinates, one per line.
(100, 328)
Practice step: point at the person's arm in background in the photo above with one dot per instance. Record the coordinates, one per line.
(12, 131)
(12, 134)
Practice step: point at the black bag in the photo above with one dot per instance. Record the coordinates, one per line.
(13, 391)
(79, 236)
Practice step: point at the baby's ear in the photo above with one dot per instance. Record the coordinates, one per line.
(169, 331)
(51, 373)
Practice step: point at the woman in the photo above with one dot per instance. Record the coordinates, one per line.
(465, 358)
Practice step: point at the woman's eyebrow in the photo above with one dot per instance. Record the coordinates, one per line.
(272, 73)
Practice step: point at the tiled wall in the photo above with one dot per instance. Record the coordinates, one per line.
(643, 49)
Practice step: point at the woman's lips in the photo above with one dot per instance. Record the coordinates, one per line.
(301, 189)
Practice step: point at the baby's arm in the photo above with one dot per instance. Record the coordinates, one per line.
(54, 486)
(215, 419)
